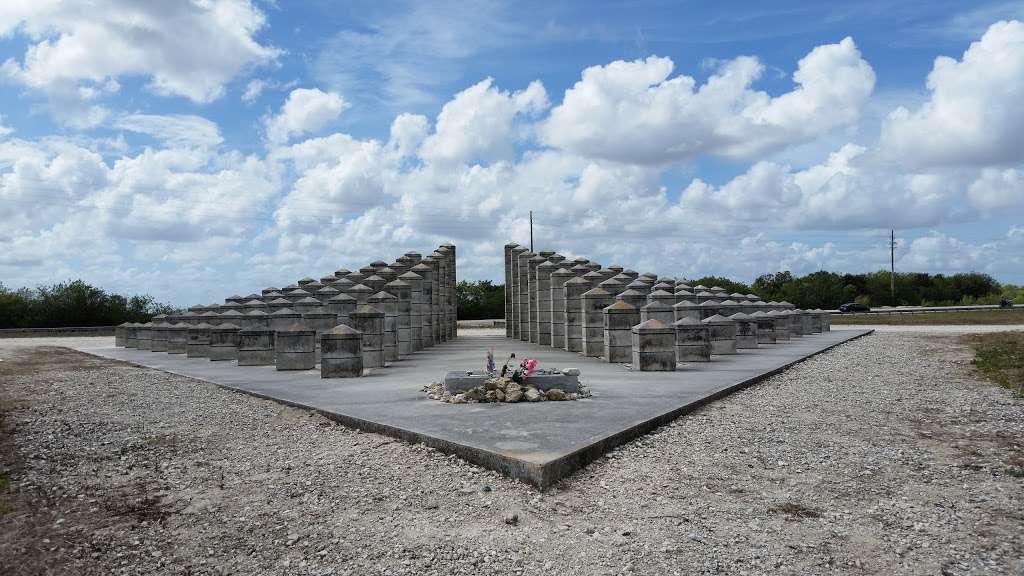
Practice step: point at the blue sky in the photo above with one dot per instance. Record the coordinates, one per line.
(191, 150)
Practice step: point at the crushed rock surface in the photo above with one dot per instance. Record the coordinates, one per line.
(886, 455)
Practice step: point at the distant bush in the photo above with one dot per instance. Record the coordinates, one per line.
(828, 289)
(481, 300)
(73, 304)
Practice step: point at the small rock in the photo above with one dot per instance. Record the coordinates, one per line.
(459, 399)
(555, 394)
(532, 395)
(571, 371)
(511, 518)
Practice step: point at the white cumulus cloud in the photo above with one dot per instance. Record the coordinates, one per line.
(306, 110)
(973, 116)
(634, 112)
(174, 129)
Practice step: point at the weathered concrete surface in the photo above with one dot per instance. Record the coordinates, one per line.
(535, 442)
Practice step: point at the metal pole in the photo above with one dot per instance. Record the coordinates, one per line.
(531, 230)
(892, 266)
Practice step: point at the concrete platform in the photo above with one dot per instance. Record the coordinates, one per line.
(536, 442)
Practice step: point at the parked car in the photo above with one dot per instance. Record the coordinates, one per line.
(1005, 303)
(854, 307)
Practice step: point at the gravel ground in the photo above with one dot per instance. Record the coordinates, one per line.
(883, 456)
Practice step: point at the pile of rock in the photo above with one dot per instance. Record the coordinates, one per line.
(499, 389)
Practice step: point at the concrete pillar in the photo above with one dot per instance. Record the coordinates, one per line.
(266, 291)
(375, 282)
(693, 341)
(224, 342)
(121, 334)
(307, 305)
(781, 325)
(370, 322)
(343, 285)
(198, 341)
(666, 297)
(709, 308)
(325, 294)
(435, 297)
(342, 272)
(682, 294)
(826, 321)
(612, 286)
(544, 270)
(654, 347)
(619, 319)
(355, 277)
(256, 319)
(816, 322)
(765, 327)
(255, 304)
(801, 322)
(573, 293)
(513, 263)
(703, 296)
(532, 264)
(523, 294)
(401, 290)
(640, 286)
(295, 295)
(341, 306)
(593, 278)
(722, 333)
(558, 279)
(593, 303)
(415, 282)
(278, 304)
(295, 348)
(158, 335)
(594, 266)
(388, 304)
(509, 290)
(284, 318)
(657, 311)
(131, 338)
(177, 339)
(453, 320)
(607, 273)
(361, 292)
(341, 353)
(144, 339)
(633, 298)
(233, 317)
(746, 330)
(320, 321)
(256, 347)
(579, 269)
(304, 281)
(729, 307)
(328, 280)
(426, 295)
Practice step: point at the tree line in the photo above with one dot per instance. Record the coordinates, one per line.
(73, 304)
(80, 304)
(822, 289)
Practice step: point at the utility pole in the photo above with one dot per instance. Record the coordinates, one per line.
(531, 230)
(892, 266)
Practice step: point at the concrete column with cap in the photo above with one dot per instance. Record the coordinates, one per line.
(370, 322)
(573, 293)
(532, 265)
(341, 353)
(426, 294)
(523, 294)
(295, 348)
(558, 279)
(403, 303)
(693, 340)
(619, 319)
(256, 347)
(388, 303)
(653, 347)
(544, 270)
(509, 290)
(594, 301)
(415, 282)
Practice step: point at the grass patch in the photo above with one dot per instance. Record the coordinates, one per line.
(1000, 357)
(991, 316)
